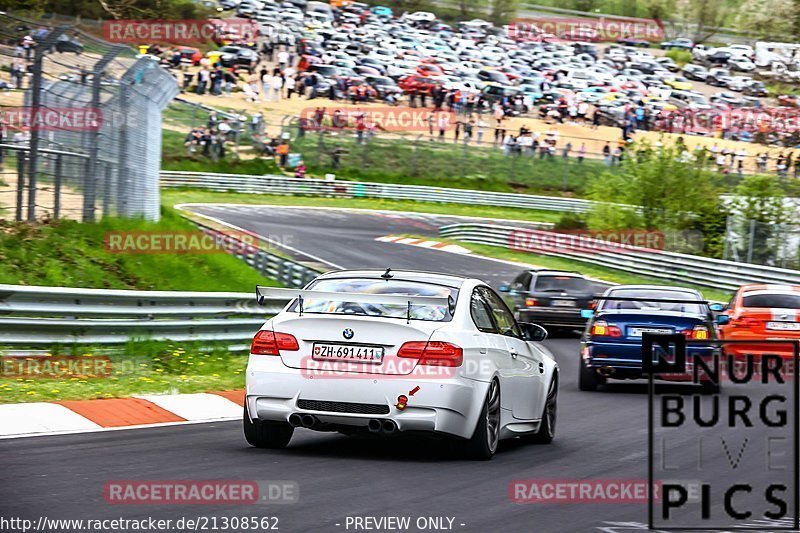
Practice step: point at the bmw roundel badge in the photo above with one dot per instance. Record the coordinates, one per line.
(348, 333)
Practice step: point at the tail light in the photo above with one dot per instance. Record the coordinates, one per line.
(531, 302)
(432, 353)
(603, 329)
(745, 322)
(267, 342)
(699, 333)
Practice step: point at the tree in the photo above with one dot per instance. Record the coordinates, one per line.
(760, 207)
(662, 190)
(767, 18)
(502, 11)
(115, 9)
(699, 18)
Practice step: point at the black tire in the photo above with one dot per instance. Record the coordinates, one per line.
(547, 429)
(588, 379)
(483, 443)
(275, 435)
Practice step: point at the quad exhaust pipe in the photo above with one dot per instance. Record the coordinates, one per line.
(375, 425)
(307, 421)
(386, 427)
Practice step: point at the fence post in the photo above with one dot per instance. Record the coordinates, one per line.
(20, 183)
(57, 188)
(90, 181)
(750, 241)
(36, 105)
(726, 240)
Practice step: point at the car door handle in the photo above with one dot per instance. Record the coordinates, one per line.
(513, 352)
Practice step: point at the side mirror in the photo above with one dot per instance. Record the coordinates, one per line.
(716, 307)
(504, 288)
(587, 313)
(723, 320)
(533, 332)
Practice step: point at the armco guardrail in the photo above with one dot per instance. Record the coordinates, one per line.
(57, 315)
(702, 271)
(37, 316)
(271, 184)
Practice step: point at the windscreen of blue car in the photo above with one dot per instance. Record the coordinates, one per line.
(653, 305)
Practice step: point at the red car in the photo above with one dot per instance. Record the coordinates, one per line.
(189, 53)
(429, 69)
(789, 100)
(418, 84)
(759, 312)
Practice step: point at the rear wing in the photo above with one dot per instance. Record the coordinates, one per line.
(589, 313)
(265, 293)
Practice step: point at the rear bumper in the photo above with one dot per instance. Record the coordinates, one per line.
(624, 360)
(449, 406)
(553, 316)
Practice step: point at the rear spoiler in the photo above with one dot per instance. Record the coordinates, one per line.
(265, 293)
(637, 299)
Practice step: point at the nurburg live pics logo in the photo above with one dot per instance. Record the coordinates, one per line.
(736, 444)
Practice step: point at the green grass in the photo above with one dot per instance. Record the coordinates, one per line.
(438, 164)
(175, 157)
(140, 368)
(593, 271)
(170, 197)
(71, 254)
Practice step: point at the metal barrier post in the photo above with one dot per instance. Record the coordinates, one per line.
(57, 188)
(20, 184)
(36, 105)
(90, 190)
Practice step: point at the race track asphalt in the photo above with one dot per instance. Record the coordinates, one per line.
(600, 436)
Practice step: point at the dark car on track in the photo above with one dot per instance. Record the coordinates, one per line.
(551, 298)
(611, 346)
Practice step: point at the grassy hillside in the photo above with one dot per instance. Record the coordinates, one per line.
(71, 254)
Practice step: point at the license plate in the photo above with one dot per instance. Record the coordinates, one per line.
(562, 303)
(347, 352)
(784, 326)
(637, 332)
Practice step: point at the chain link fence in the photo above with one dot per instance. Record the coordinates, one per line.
(81, 124)
(762, 243)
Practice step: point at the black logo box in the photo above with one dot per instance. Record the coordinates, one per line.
(663, 366)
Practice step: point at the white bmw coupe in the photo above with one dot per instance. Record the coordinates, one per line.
(385, 352)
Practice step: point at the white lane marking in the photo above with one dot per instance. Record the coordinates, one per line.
(198, 406)
(266, 239)
(121, 428)
(40, 417)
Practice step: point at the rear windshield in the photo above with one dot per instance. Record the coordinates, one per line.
(379, 286)
(561, 283)
(653, 303)
(783, 301)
